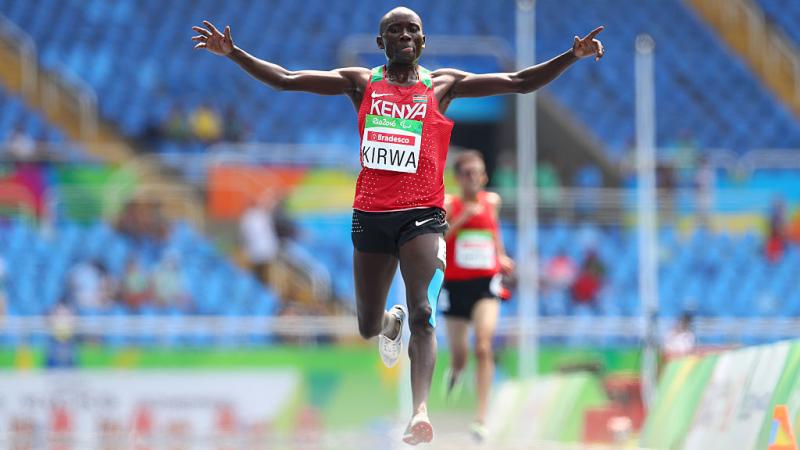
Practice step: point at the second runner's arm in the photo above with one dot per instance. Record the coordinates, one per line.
(506, 263)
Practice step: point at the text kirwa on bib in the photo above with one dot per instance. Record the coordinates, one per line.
(475, 249)
(391, 144)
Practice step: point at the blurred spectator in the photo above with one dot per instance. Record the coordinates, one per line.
(176, 125)
(233, 130)
(666, 184)
(206, 124)
(560, 271)
(169, 285)
(130, 220)
(774, 247)
(62, 349)
(259, 238)
(777, 217)
(135, 286)
(589, 280)
(793, 229)
(90, 286)
(680, 341)
(142, 221)
(776, 236)
(20, 145)
(705, 182)
(285, 226)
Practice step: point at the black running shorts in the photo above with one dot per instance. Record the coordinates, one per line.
(386, 232)
(458, 298)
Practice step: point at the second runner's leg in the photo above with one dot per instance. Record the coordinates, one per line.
(484, 316)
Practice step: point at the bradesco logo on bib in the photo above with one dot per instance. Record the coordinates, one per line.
(391, 144)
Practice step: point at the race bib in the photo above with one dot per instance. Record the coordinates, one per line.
(391, 144)
(475, 250)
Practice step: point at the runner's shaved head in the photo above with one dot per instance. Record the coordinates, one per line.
(394, 13)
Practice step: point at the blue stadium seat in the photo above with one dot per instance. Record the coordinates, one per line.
(700, 83)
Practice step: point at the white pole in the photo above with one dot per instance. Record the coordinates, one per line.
(646, 207)
(526, 196)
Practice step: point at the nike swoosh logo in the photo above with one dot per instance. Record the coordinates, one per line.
(376, 95)
(418, 223)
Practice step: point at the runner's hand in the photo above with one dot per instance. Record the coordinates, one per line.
(589, 46)
(507, 265)
(212, 40)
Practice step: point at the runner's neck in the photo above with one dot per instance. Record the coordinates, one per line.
(469, 198)
(402, 74)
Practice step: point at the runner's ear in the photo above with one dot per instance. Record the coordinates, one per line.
(379, 40)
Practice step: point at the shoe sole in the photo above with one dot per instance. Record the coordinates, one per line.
(420, 433)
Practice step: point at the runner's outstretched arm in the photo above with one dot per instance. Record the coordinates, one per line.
(350, 81)
(465, 84)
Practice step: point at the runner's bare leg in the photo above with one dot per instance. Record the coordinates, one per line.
(373, 274)
(457, 339)
(484, 316)
(419, 263)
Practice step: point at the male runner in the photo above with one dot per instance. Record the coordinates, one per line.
(398, 209)
(476, 261)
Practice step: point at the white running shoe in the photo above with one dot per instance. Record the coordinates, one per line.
(479, 432)
(419, 430)
(390, 348)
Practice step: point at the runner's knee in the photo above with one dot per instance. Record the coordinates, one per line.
(458, 361)
(421, 318)
(369, 328)
(483, 349)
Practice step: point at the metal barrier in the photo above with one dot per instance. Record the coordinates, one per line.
(347, 327)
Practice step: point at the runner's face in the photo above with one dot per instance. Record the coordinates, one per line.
(402, 39)
(472, 177)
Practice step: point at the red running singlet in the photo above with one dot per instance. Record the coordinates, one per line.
(404, 142)
(471, 249)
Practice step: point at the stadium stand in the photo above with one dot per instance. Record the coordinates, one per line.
(711, 274)
(38, 277)
(14, 114)
(703, 90)
(785, 14)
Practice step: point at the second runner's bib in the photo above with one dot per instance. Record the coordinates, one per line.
(475, 249)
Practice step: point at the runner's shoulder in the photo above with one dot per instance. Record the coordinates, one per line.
(448, 74)
(357, 75)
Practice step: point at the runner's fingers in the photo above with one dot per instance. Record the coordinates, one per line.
(202, 31)
(200, 38)
(211, 27)
(200, 45)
